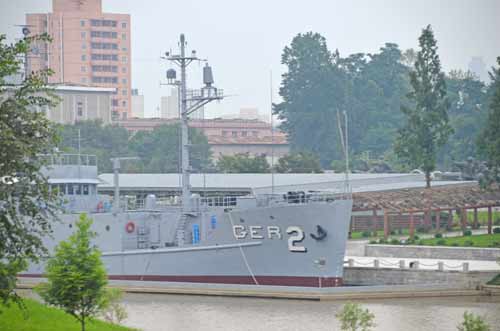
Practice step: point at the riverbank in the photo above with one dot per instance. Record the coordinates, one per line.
(39, 317)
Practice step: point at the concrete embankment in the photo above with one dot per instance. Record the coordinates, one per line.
(384, 276)
(433, 252)
(299, 293)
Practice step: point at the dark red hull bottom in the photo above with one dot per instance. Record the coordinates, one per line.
(246, 280)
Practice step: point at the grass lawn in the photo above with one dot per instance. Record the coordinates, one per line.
(481, 240)
(43, 318)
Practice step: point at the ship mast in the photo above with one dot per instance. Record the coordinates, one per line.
(190, 102)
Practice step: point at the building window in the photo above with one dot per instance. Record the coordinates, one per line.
(124, 49)
(70, 189)
(106, 80)
(79, 108)
(124, 36)
(104, 68)
(83, 34)
(82, 23)
(104, 57)
(124, 70)
(84, 46)
(103, 23)
(104, 46)
(103, 34)
(234, 133)
(124, 25)
(124, 59)
(255, 133)
(244, 133)
(83, 69)
(114, 102)
(124, 92)
(84, 57)
(124, 81)
(124, 103)
(224, 133)
(124, 115)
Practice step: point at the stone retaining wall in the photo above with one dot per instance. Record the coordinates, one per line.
(433, 252)
(384, 276)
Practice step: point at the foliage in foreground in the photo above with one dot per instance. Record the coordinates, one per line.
(473, 322)
(26, 204)
(76, 275)
(354, 318)
(40, 317)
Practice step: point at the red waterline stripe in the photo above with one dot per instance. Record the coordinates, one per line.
(246, 280)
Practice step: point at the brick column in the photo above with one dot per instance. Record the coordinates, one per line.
(374, 222)
(463, 218)
(475, 225)
(438, 220)
(450, 219)
(412, 226)
(490, 220)
(386, 224)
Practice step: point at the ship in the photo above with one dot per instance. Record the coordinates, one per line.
(294, 238)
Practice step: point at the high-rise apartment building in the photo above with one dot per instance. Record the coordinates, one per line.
(88, 47)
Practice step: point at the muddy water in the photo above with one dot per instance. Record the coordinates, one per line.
(172, 312)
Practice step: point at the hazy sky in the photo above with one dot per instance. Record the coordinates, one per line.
(243, 40)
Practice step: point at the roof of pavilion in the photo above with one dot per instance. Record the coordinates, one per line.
(421, 199)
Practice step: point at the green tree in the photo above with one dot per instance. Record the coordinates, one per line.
(427, 128)
(159, 150)
(299, 162)
(473, 322)
(312, 90)
(468, 114)
(76, 275)
(26, 203)
(354, 318)
(243, 163)
(104, 141)
(489, 139)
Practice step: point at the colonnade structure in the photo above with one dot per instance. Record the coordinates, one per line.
(423, 203)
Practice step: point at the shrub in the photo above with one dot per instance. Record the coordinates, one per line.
(454, 244)
(395, 241)
(392, 232)
(416, 237)
(382, 241)
(496, 230)
(400, 231)
(441, 242)
(496, 243)
(468, 243)
(372, 242)
(365, 234)
(467, 233)
(353, 318)
(497, 220)
(422, 229)
(421, 242)
(473, 322)
(438, 235)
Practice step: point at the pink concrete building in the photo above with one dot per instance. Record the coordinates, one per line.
(88, 48)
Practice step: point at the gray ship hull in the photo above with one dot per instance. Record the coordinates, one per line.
(289, 245)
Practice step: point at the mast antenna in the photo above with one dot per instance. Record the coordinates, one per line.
(190, 101)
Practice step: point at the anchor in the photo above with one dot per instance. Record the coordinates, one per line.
(320, 233)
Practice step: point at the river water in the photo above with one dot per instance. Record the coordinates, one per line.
(151, 312)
